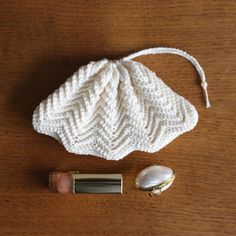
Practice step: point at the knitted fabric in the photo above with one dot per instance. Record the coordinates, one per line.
(111, 108)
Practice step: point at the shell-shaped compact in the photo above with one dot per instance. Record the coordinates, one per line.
(111, 108)
(155, 179)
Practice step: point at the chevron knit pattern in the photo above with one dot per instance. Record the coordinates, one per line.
(111, 108)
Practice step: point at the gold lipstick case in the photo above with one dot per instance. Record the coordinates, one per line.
(77, 183)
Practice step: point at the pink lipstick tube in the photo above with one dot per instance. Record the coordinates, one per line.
(75, 183)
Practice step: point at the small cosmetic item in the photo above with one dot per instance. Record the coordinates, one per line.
(155, 179)
(75, 183)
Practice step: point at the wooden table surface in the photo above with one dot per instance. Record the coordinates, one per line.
(44, 42)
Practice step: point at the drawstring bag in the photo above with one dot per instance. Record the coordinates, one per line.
(110, 108)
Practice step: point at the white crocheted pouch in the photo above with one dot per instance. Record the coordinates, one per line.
(110, 108)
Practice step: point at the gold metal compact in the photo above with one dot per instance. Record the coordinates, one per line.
(155, 179)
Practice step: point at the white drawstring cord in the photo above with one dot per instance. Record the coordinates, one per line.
(160, 50)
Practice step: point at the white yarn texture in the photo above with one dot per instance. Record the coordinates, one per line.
(111, 108)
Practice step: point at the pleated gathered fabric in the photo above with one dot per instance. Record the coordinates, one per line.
(110, 108)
